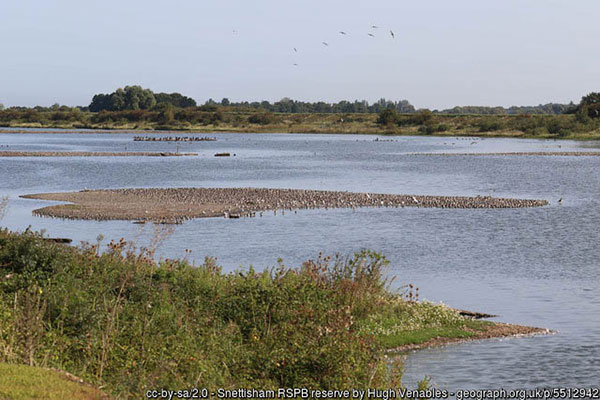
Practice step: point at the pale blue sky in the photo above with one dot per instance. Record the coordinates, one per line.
(446, 53)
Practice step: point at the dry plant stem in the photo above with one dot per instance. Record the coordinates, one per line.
(3, 206)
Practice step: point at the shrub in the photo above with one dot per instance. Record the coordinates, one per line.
(387, 117)
(262, 118)
(489, 124)
(422, 117)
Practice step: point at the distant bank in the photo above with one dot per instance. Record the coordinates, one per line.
(567, 126)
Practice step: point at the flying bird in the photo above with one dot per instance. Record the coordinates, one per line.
(325, 43)
(343, 33)
(374, 26)
(370, 34)
(392, 33)
(295, 65)
(296, 50)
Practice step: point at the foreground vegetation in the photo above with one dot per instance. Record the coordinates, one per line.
(119, 320)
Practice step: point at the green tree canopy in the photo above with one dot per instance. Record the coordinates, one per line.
(175, 99)
(137, 98)
(589, 106)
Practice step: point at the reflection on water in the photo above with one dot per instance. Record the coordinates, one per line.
(530, 266)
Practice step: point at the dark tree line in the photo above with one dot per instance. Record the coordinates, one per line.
(287, 105)
(547, 109)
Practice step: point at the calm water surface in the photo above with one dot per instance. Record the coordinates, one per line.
(531, 266)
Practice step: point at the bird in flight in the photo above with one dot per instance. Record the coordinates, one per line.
(325, 43)
(295, 65)
(296, 50)
(370, 34)
(343, 33)
(374, 26)
(392, 33)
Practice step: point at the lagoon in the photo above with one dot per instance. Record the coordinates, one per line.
(530, 266)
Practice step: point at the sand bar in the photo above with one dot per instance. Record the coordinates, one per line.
(91, 154)
(179, 204)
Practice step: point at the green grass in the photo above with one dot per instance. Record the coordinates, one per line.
(21, 382)
(418, 336)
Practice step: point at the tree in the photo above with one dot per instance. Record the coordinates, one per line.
(100, 102)
(130, 98)
(175, 99)
(387, 117)
(225, 101)
(137, 98)
(590, 106)
(592, 98)
(117, 100)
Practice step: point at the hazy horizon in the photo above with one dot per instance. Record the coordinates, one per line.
(443, 54)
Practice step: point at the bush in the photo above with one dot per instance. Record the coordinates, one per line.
(489, 124)
(262, 118)
(429, 129)
(422, 117)
(387, 117)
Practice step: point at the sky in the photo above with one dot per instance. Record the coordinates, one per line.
(444, 54)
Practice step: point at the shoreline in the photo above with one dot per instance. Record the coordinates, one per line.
(92, 154)
(494, 330)
(371, 130)
(175, 205)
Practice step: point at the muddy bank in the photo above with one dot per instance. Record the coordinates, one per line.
(493, 330)
(179, 204)
(91, 154)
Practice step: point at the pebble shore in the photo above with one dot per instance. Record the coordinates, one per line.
(91, 154)
(179, 204)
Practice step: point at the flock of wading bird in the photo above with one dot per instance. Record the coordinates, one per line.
(175, 205)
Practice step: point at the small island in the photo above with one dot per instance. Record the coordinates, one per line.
(178, 204)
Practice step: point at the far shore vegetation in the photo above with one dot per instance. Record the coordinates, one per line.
(118, 319)
(135, 108)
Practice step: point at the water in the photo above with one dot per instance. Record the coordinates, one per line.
(535, 266)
